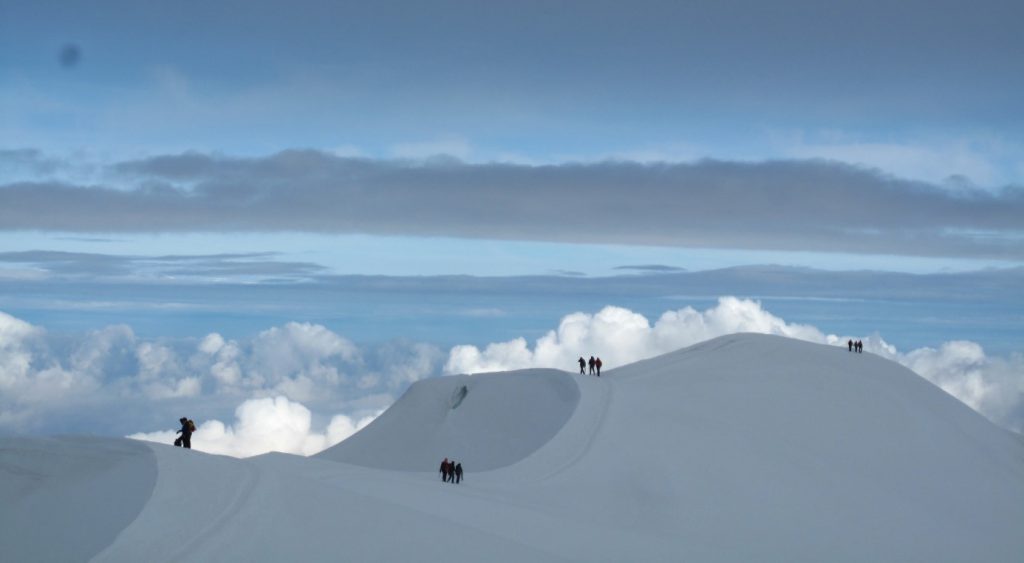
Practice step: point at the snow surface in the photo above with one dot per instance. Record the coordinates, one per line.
(742, 448)
(484, 421)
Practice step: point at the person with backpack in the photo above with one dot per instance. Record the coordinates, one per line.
(591, 363)
(597, 364)
(583, 363)
(458, 472)
(444, 471)
(187, 428)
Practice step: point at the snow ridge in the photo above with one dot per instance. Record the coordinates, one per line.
(742, 448)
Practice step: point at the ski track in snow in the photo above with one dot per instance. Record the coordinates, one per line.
(244, 488)
(575, 440)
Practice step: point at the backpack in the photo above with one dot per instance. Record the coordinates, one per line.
(191, 426)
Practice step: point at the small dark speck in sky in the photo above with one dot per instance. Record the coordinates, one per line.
(70, 55)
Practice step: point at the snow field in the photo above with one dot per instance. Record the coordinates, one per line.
(742, 448)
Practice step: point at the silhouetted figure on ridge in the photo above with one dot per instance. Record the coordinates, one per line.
(444, 470)
(583, 363)
(597, 364)
(458, 472)
(187, 428)
(849, 343)
(591, 364)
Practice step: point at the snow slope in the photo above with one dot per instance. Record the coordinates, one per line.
(484, 421)
(746, 447)
(67, 498)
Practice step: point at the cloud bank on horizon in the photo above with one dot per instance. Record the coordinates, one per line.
(992, 386)
(269, 380)
(109, 381)
(270, 424)
(803, 205)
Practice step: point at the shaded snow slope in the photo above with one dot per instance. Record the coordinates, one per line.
(484, 421)
(743, 448)
(67, 498)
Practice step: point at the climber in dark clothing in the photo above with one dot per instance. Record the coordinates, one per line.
(444, 470)
(583, 364)
(458, 472)
(186, 433)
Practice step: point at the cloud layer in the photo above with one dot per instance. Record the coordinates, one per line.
(112, 381)
(992, 386)
(259, 265)
(266, 425)
(808, 205)
(300, 387)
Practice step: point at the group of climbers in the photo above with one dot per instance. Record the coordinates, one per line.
(593, 363)
(451, 472)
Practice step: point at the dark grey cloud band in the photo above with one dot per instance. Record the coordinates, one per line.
(808, 205)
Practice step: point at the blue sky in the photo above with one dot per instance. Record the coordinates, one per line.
(921, 89)
(921, 92)
(184, 169)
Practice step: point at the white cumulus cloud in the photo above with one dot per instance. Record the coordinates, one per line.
(271, 424)
(15, 356)
(223, 355)
(992, 386)
(52, 384)
(295, 358)
(621, 336)
(29, 372)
